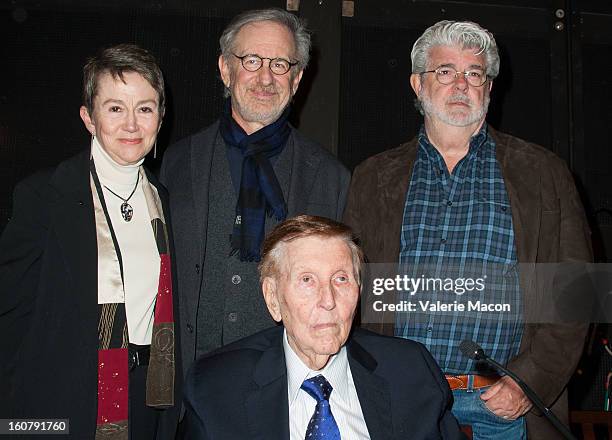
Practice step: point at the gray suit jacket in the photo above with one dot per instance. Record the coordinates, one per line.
(318, 186)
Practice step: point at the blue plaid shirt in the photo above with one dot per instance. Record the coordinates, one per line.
(453, 222)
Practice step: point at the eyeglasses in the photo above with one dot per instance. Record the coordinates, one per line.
(278, 66)
(447, 75)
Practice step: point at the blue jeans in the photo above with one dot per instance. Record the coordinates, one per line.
(470, 409)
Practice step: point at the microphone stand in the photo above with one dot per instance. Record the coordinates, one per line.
(533, 397)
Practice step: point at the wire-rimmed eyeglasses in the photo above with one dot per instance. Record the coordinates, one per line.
(447, 75)
(252, 63)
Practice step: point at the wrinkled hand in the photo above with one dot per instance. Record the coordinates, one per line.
(506, 399)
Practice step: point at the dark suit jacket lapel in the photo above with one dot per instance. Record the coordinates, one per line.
(522, 181)
(372, 390)
(303, 173)
(267, 405)
(202, 148)
(72, 213)
(161, 191)
(393, 185)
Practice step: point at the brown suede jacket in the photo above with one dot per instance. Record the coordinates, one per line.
(549, 227)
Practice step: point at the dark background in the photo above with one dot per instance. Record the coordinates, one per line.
(554, 88)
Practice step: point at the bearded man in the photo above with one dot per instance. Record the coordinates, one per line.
(226, 179)
(462, 194)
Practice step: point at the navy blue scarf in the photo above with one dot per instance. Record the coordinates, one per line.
(259, 192)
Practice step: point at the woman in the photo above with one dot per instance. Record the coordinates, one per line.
(86, 301)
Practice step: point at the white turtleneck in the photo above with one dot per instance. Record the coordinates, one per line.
(139, 252)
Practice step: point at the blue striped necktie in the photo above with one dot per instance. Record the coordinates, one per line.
(322, 425)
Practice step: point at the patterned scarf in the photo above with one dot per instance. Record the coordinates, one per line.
(113, 370)
(259, 193)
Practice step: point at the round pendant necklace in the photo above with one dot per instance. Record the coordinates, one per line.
(127, 212)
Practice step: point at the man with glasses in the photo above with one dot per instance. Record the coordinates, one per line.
(463, 195)
(232, 182)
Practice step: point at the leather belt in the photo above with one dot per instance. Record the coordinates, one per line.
(460, 382)
(138, 355)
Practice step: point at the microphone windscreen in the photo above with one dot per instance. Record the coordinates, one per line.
(471, 349)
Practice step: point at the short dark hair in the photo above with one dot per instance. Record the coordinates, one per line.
(117, 60)
(306, 226)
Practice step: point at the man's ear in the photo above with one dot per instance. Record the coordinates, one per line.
(296, 82)
(87, 120)
(224, 70)
(268, 286)
(415, 83)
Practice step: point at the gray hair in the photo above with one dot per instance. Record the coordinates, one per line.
(301, 226)
(463, 34)
(296, 26)
(116, 61)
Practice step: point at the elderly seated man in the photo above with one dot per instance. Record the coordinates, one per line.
(311, 377)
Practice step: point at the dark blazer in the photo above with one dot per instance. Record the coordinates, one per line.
(549, 227)
(49, 301)
(240, 391)
(318, 186)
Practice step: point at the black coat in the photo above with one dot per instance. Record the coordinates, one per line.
(49, 301)
(240, 391)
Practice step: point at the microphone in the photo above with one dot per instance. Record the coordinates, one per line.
(475, 352)
(472, 350)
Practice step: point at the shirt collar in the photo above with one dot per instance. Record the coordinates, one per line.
(479, 138)
(336, 372)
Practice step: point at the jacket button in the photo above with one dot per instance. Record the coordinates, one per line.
(236, 279)
(197, 268)
(189, 328)
(232, 317)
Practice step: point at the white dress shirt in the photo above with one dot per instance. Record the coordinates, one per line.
(139, 252)
(344, 402)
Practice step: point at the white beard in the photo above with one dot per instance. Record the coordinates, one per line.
(455, 119)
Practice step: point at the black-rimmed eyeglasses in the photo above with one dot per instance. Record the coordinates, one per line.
(252, 63)
(447, 75)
